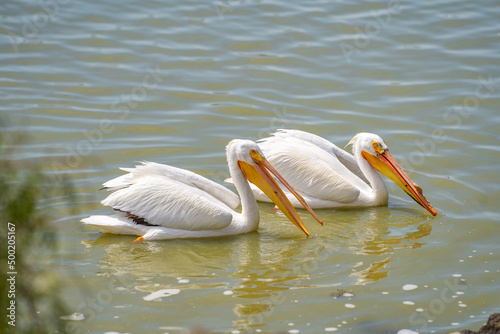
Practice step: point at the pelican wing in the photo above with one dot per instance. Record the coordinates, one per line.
(173, 199)
(312, 170)
(344, 157)
(189, 178)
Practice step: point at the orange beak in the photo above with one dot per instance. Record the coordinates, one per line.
(387, 165)
(259, 175)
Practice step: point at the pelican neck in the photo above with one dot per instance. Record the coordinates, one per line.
(249, 207)
(378, 188)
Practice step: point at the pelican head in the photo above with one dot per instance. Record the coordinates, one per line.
(375, 151)
(256, 168)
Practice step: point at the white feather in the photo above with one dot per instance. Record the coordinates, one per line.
(344, 157)
(325, 175)
(173, 173)
(179, 203)
(166, 202)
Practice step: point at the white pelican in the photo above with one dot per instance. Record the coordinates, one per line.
(328, 177)
(157, 201)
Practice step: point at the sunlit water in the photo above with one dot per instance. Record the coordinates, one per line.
(102, 85)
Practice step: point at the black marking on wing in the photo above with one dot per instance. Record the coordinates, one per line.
(136, 219)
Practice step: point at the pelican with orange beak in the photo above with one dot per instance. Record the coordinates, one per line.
(329, 177)
(156, 201)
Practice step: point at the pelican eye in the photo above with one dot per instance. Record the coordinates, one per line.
(377, 147)
(254, 154)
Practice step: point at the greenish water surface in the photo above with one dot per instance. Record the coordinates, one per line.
(103, 85)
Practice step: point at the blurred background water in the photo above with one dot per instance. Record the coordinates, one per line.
(102, 85)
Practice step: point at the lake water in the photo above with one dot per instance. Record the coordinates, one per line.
(102, 85)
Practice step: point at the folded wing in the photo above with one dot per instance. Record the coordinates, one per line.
(344, 157)
(171, 197)
(310, 169)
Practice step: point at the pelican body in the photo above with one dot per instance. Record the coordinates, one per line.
(156, 201)
(329, 177)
